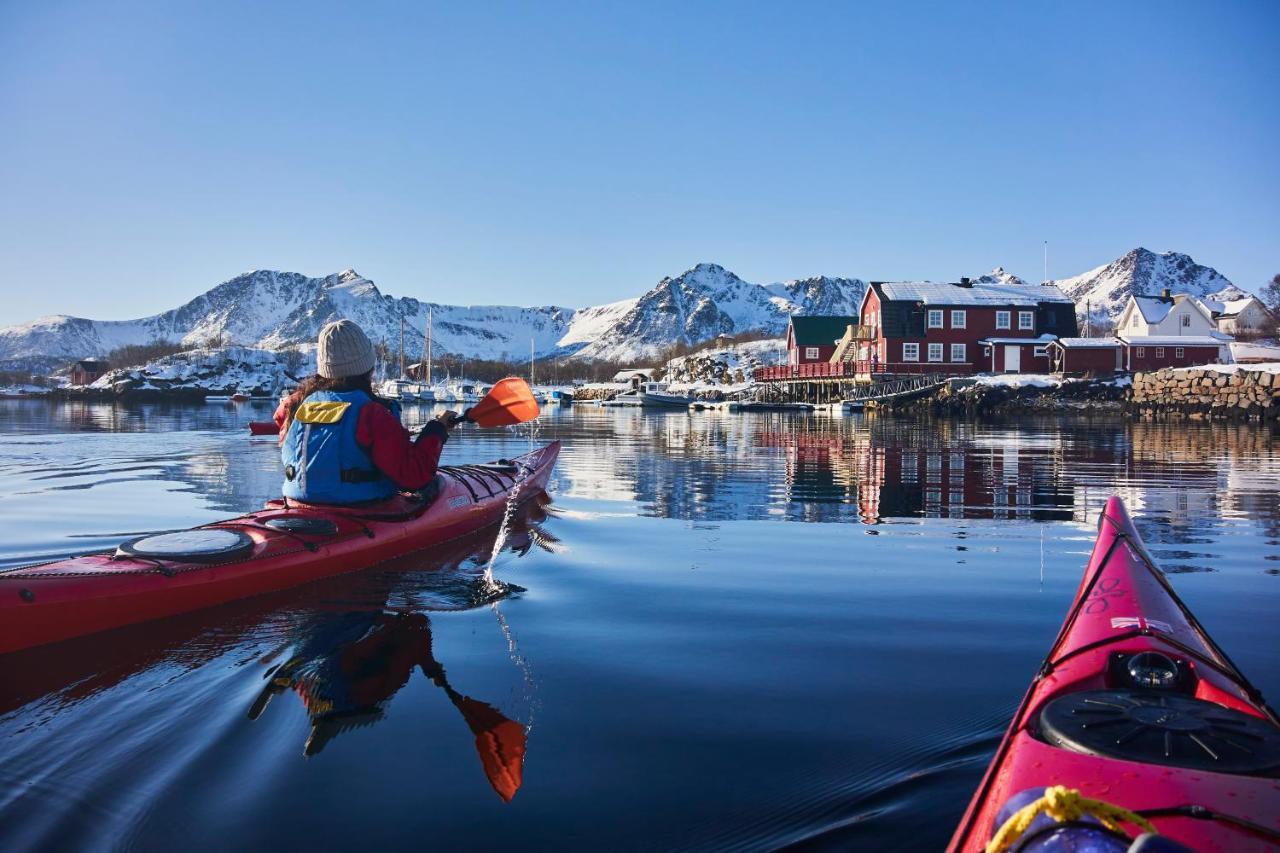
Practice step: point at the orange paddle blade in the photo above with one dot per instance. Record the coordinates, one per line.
(510, 402)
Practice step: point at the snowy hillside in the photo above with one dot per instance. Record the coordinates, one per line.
(273, 310)
(999, 276)
(221, 371)
(1105, 290)
(707, 301)
(725, 365)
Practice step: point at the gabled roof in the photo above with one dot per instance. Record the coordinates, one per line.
(1153, 308)
(1231, 307)
(820, 331)
(935, 293)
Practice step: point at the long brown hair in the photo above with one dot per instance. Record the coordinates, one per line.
(316, 382)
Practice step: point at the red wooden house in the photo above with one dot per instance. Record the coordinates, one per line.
(1098, 356)
(1152, 352)
(927, 327)
(813, 339)
(86, 371)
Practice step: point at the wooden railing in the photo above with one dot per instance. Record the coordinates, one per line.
(861, 369)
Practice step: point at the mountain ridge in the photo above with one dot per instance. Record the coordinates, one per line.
(277, 309)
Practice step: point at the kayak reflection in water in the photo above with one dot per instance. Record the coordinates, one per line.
(348, 667)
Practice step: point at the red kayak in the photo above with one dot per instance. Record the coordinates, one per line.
(281, 546)
(1136, 721)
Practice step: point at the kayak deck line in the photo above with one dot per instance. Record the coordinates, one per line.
(63, 598)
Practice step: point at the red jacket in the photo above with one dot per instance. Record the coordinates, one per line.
(410, 464)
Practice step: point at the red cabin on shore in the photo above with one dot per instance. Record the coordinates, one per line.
(1098, 356)
(1152, 352)
(961, 327)
(812, 340)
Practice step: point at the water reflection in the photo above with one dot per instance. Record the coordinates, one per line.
(346, 668)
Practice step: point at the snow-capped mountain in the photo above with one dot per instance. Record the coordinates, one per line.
(275, 310)
(707, 301)
(999, 276)
(1104, 291)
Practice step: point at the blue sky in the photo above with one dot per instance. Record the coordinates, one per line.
(575, 154)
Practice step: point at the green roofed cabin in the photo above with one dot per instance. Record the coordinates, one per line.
(813, 339)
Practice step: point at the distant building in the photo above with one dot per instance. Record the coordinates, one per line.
(814, 339)
(1077, 356)
(1131, 354)
(1166, 314)
(1151, 352)
(636, 376)
(86, 371)
(960, 328)
(1241, 316)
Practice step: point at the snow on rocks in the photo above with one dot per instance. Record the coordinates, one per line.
(198, 372)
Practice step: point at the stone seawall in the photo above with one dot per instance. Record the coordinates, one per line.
(1205, 392)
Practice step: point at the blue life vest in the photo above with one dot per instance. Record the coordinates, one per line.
(323, 462)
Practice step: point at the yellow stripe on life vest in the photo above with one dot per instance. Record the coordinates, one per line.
(321, 413)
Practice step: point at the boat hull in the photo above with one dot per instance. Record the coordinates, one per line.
(1123, 607)
(97, 592)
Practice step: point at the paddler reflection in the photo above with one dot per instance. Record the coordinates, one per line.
(346, 667)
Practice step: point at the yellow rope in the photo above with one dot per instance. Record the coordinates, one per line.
(1064, 805)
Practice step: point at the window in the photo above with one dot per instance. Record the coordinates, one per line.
(910, 352)
(1002, 319)
(957, 319)
(810, 352)
(1140, 352)
(957, 352)
(935, 352)
(1186, 321)
(1159, 352)
(1179, 352)
(1040, 352)
(935, 319)
(1026, 319)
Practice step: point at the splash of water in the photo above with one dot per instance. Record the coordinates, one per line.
(513, 503)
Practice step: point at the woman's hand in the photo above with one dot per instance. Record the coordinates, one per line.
(449, 418)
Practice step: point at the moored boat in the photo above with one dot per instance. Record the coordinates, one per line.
(1136, 718)
(283, 545)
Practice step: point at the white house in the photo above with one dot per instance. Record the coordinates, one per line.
(1166, 315)
(1240, 315)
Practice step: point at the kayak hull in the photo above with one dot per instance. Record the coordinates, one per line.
(84, 595)
(1123, 607)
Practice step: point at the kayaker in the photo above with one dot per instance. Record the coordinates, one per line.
(341, 443)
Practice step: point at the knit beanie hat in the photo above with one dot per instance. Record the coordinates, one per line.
(344, 351)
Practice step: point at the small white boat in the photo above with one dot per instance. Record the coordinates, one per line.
(561, 398)
(652, 395)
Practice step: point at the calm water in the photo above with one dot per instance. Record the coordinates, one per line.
(734, 631)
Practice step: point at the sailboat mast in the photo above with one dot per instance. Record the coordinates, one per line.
(531, 361)
(402, 346)
(430, 318)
